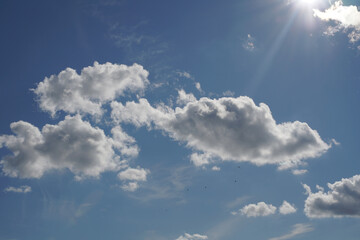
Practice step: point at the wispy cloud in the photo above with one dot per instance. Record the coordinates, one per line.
(21, 189)
(298, 229)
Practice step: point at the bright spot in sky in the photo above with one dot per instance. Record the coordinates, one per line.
(307, 2)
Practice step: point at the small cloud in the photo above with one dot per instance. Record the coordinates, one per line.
(286, 208)
(187, 236)
(297, 229)
(215, 168)
(249, 43)
(259, 209)
(185, 75)
(21, 189)
(130, 187)
(299, 171)
(198, 87)
(131, 178)
(228, 93)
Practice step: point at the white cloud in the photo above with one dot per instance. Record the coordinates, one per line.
(130, 186)
(192, 237)
(72, 144)
(229, 129)
(131, 178)
(215, 168)
(287, 208)
(198, 87)
(342, 199)
(345, 17)
(298, 229)
(259, 209)
(184, 98)
(85, 93)
(21, 189)
(133, 174)
(299, 171)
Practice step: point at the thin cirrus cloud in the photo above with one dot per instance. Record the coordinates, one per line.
(72, 144)
(297, 229)
(21, 189)
(229, 129)
(342, 199)
(346, 18)
(88, 91)
(196, 236)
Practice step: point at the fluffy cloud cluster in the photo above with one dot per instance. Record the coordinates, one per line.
(85, 93)
(342, 199)
(21, 189)
(262, 209)
(227, 128)
(72, 144)
(345, 17)
(192, 237)
(258, 209)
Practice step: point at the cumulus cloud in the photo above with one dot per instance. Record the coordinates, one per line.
(192, 237)
(86, 92)
(346, 18)
(21, 189)
(229, 129)
(287, 208)
(133, 174)
(297, 229)
(258, 209)
(131, 177)
(72, 144)
(342, 199)
(184, 98)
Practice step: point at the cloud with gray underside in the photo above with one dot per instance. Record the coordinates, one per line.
(341, 200)
(229, 129)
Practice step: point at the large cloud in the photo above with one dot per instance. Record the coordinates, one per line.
(342, 200)
(345, 17)
(188, 236)
(72, 144)
(228, 128)
(85, 93)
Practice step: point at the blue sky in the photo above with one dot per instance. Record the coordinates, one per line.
(179, 120)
